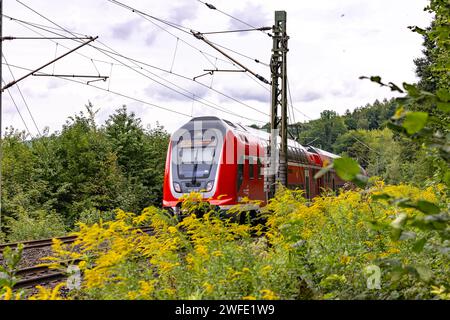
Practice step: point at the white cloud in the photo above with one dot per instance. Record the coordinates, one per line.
(331, 44)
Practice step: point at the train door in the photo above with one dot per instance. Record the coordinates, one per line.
(307, 186)
(319, 185)
(240, 177)
(243, 182)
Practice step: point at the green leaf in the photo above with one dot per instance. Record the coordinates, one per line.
(415, 121)
(395, 127)
(424, 273)
(404, 203)
(419, 245)
(346, 168)
(395, 234)
(447, 178)
(381, 196)
(399, 222)
(322, 171)
(360, 180)
(412, 90)
(420, 31)
(407, 235)
(376, 225)
(427, 207)
(443, 106)
(394, 87)
(376, 79)
(443, 95)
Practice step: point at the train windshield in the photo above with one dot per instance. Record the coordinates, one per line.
(195, 162)
(196, 157)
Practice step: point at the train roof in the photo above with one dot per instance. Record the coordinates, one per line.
(264, 135)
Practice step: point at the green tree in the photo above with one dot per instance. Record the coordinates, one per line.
(89, 175)
(323, 132)
(141, 156)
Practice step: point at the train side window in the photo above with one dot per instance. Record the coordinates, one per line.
(307, 183)
(240, 174)
(259, 169)
(251, 169)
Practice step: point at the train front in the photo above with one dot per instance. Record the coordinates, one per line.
(194, 163)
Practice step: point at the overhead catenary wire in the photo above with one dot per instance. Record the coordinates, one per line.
(45, 28)
(169, 23)
(44, 38)
(103, 89)
(22, 96)
(179, 27)
(212, 7)
(112, 51)
(154, 67)
(238, 30)
(240, 54)
(49, 28)
(41, 27)
(117, 93)
(17, 109)
(290, 101)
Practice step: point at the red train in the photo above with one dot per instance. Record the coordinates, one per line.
(225, 161)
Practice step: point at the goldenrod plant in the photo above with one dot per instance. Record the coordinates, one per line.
(328, 248)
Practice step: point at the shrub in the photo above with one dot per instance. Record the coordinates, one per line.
(37, 225)
(325, 249)
(91, 216)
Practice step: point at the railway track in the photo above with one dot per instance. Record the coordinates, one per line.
(37, 275)
(42, 243)
(29, 277)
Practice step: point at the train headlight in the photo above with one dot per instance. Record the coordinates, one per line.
(177, 187)
(209, 186)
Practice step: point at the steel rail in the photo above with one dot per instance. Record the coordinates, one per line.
(42, 243)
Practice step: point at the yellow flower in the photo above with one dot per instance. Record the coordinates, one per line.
(345, 259)
(172, 230)
(48, 293)
(8, 294)
(146, 288)
(249, 298)
(208, 287)
(266, 269)
(217, 253)
(268, 294)
(202, 250)
(82, 265)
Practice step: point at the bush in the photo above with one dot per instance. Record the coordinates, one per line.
(37, 225)
(91, 216)
(326, 249)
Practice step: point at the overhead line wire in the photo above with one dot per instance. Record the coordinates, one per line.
(177, 26)
(212, 7)
(103, 89)
(151, 66)
(23, 98)
(132, 60)
(17, 108)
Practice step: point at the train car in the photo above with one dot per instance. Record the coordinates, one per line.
(227, 162)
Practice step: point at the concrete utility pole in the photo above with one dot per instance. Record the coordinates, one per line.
(278, 124)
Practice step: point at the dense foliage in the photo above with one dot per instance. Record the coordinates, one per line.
(321, 250)
(386, 239)
(58, 179)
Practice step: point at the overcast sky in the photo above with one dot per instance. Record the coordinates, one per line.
(331, 44)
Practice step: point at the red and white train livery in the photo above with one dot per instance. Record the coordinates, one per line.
(225, 161)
